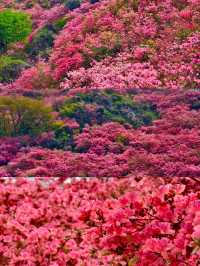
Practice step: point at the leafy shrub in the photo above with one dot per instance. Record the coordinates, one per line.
(122, 139)
(76, 110)
(14, 26)
(37, 77)
(63, 136)
(99, 53)
(59, 24)
(184, 33)
(107, 106)
(21, 116)
(111, 44)
(10, 68)
(70, 109)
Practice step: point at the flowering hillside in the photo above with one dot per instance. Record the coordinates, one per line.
(107, 91)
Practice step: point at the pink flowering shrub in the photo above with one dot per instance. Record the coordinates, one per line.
(168, 50)
(35, 78)
(99, 223)
(9, 148)
(119, 74)
(43, 16)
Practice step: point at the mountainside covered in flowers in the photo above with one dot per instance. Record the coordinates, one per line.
(108, 90)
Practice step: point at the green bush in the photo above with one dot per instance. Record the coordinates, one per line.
(77, 111)
(182, 34)
(14, 26)
(70, 109)
(23, 116)
(122, 139)
(10, 68)
(108, 106)
(59, 24)
(63, 137)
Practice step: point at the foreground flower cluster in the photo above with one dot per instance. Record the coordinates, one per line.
(93, 222)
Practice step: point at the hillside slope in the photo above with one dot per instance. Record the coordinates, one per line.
(108, 90)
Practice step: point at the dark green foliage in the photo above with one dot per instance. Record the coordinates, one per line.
(14, 26)
(43, 41)
(99, 53)
(71, 109)
(182, 34)
(102, 52)
(10, 68)
(59, 24)
(94, 1)
(77, 111)
(107, 106)
(23, 116)
(122, 140)
(196, 104)
(72, 4)
(2, 46)
(63, 137)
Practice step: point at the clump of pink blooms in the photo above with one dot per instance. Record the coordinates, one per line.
(99, 222)
(119, 74)
(161, 35)
(38, 77)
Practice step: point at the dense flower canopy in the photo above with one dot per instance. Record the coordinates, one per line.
(106, 91)
(113, 222)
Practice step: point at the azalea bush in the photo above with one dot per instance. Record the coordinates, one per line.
(115, 222)
(36, 78)
(108, 31)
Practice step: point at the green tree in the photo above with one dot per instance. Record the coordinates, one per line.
(14, 26)
(22, 115)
